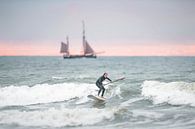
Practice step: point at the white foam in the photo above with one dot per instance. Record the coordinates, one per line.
(57, 117)
(175, 93)
(113, 91)
(130, 101)
(147, 113)
(58, 78)
(80, 76)
(44, 93)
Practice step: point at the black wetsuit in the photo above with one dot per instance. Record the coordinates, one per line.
(100, 85)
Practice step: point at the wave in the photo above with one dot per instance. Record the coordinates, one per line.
(130, 101)
(58, 78)
(57, 117)
(47, 93)
(174, 93)
(44, 93)
(64, 77)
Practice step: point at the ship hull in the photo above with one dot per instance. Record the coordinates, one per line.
(79, 56)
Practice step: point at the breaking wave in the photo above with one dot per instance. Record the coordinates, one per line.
(57, 117)
(174, 93)
(47, 93)
(44, 93)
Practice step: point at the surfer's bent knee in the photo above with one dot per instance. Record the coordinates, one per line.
(99, 85)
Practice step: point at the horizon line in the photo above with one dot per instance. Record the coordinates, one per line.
(101, 56)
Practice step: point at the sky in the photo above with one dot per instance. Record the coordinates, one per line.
(117, 27)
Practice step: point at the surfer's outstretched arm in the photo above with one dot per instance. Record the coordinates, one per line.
(109, 79)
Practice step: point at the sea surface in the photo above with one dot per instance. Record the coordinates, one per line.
(51, 93)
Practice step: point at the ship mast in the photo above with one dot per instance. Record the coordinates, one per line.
(83, 31)
(67, 42)
(84, 41)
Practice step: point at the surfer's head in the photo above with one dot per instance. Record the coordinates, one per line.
(105, 74)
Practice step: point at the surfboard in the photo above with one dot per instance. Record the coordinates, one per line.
(96, 98)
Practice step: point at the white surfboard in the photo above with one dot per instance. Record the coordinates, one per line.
(96, 98)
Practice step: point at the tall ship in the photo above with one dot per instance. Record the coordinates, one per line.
(88, 51)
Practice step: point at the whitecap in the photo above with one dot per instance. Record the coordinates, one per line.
(175, 93)
(44, 93)
(57, 117)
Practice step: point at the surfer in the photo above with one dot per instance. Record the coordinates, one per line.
(100, 85)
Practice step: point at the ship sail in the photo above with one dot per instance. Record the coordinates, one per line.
(88, 49)
(65, 47)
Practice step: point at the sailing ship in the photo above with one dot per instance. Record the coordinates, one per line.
(88, 51)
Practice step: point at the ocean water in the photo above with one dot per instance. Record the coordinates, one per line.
(51, 93)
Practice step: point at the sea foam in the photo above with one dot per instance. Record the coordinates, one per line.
(174, 93)
(53, 117)
(47, 93)
(44, 93)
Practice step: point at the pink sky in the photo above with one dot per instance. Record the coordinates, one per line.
(120, 28)
(51, 49)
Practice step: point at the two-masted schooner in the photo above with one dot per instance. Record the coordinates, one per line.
(88, 52)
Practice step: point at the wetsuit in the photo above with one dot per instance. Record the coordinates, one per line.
(100, 85)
